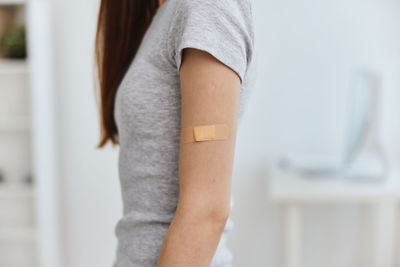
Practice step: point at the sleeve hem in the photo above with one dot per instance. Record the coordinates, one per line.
(220, 56)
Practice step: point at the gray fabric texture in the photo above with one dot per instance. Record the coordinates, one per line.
(147, 113)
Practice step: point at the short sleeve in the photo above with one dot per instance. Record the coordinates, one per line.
(223, 28)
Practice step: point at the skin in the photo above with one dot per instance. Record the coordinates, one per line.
(210, 95)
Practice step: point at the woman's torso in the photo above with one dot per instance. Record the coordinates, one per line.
(147, 112)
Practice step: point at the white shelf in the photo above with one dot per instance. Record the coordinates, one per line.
(288, 186)
(13, 2)
(16, 190)
(13, 66)
(16, 124)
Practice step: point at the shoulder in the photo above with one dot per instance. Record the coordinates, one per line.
(216, 2)
(218, 13)
(230, 6)
(223, 28)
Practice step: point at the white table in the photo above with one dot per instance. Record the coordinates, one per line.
(291, 191)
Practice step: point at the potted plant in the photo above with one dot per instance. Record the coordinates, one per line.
(7, 14)
(13, 42)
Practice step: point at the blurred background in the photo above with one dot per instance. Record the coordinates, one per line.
(315, 179)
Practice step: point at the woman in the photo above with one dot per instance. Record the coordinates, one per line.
(165, 68)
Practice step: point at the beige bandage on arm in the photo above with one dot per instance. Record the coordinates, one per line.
(205, 133)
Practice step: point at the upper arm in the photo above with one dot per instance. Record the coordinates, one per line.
(210, 44)
(209, 95)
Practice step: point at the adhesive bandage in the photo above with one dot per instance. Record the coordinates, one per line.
(205, 133)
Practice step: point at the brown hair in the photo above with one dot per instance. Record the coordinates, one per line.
(120, 29)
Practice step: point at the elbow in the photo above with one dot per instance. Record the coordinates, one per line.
(205, 213)
(219, 215)
(216, 217)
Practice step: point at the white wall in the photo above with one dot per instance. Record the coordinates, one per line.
(307, 51)
(89, 184)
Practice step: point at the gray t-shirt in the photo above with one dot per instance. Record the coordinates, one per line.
(147, 112)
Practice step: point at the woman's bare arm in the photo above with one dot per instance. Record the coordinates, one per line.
(210, 95)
